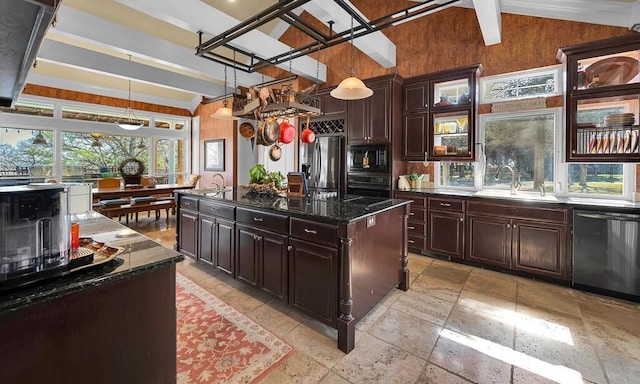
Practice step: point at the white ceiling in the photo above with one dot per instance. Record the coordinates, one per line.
(88, 49)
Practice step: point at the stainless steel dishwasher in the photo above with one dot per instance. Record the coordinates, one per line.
(606, 253)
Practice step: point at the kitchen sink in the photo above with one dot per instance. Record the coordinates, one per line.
(523, 196)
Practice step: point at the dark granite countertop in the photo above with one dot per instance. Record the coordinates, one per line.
(533, 198)
(141, 254)
(330, 209)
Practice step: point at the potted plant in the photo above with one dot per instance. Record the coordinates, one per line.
(131, 170)
(415, 179)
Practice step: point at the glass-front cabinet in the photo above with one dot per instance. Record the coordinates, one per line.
(603, 100)
(452, 114)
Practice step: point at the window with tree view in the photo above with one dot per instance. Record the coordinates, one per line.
(21, 158)
(520, 148)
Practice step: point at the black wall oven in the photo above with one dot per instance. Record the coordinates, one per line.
(369, 185)
(368, 158)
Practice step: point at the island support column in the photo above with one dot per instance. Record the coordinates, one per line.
(346, 321)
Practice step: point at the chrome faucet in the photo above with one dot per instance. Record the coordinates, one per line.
(542, 191)
(515, 185)
(219, 187)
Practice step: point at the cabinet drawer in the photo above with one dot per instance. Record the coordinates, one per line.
(417, 214)
(263, 220)
(189, 203)
(314, 232)
(414, 241)
(446, 204)
(539, 213)
(414, 228)
(217, 209)
(418, 200)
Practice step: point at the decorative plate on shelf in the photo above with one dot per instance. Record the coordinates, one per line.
(613, 70)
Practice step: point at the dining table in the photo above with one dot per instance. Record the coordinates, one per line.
(100, 194)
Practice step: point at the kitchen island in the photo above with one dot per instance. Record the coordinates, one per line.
(113, 323)
(332, 258)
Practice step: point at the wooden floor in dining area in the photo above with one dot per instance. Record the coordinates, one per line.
(457, 324)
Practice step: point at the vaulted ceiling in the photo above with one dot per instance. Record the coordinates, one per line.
(97, 45)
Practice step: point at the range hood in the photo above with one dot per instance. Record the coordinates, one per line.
(23, 24)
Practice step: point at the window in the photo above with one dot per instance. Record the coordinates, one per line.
(90, 144)
(518, 85)
(86, 157)
(20, 158)
(521, 145)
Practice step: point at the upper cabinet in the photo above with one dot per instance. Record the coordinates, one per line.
(330, 105)
(370, 120)
(439, 115)
(603, 100)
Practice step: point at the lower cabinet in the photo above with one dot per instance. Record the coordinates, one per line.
(446, 227)
(531, 240)
(314, 280)
(188, 233)
(217, 243)
(261, 260)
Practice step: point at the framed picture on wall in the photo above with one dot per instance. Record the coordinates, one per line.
(214, 155)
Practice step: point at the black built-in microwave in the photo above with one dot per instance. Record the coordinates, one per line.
(368, 158)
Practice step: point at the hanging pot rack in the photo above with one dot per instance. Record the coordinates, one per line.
(250, 62)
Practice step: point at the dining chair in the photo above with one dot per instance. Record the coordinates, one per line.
(109, 182)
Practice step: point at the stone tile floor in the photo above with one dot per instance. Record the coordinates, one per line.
(457, 324)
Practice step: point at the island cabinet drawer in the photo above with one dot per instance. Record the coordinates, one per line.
(217, 209)
(446, 204)
(418, 200)
(263, 220)
(189, 203)
(314, 232)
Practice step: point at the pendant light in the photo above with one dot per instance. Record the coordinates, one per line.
(351, 88)
(39, 139)
(225, 113)
(128, 119)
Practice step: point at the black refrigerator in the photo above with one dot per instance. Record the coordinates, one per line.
(321, 162)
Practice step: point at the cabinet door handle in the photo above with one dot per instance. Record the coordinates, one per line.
(445, 204)
(508, 225)
(311, 231)
(289, 248)
(411, 213)
(411, 227)
(514, 226)
(410, 241)
(255, 237)
(258, 219)
(461, 219)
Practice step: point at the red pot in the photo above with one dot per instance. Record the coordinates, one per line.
(307, 136)
(287, 132)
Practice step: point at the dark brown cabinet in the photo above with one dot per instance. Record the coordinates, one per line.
(602, 97)
(443, 105)
(416, 95)
(417, 222)
(188, 227)
(532, 240)
(217, 243)
(313, 280)
(261, 252)
(369, 120)
(446, 227)
(414, 133)
(330, 105)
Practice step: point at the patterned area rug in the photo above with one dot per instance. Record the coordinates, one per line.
(217, 344)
